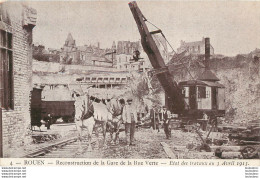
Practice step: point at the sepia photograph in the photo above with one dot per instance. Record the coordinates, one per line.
(130, 80)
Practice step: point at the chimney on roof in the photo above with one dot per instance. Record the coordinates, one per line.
(207, 75)
(207, 52)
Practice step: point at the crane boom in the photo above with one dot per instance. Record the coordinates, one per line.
(169, 85)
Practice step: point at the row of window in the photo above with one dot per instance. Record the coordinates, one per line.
(94, 79)
(194, 48)
(129, 67)
(202, 93)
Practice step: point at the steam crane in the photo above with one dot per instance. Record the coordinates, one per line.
(189, 99)
(169, 85)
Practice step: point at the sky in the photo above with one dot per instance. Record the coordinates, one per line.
(233, 27)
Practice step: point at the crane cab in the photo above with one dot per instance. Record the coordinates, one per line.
(205, 96)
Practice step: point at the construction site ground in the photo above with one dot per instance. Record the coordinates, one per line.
(148, 143)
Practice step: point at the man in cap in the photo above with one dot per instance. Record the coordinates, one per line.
(166, 122)
(129, 116)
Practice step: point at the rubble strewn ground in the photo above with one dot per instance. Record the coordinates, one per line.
(184, 145)
(148, 146)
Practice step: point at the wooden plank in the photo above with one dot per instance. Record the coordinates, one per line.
(213, 148)
(225, 155)
(250, 142)
(168, 151)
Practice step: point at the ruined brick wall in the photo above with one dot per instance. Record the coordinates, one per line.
(15, 122)
(241, 77)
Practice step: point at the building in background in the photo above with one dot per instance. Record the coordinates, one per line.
(125, 53)
(83, 55)
(118, 57)
(161, 43)
(16, 24)
(196, 47)
(127, 47)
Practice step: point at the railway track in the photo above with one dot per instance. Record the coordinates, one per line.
(63, 149)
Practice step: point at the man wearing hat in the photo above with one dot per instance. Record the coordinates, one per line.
(129, 116)
(166, 122)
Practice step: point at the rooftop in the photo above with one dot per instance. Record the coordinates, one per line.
(208, 75)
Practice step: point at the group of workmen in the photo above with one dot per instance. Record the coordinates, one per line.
(158, 116)
(129, 119)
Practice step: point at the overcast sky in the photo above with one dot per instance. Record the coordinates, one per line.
(233, 27)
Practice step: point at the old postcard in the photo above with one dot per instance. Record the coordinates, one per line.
(130, 83)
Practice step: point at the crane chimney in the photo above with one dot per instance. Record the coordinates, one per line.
(207, 75)
(207, 52)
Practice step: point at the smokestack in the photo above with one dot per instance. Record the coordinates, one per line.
(207, 52)
(207, 75)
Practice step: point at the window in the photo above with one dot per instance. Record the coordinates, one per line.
(208, 94)
(106, 80)
(6, 70)
(100, 79)
(185, 92)
(201, 92)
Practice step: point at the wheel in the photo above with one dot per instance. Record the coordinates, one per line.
(249, 152)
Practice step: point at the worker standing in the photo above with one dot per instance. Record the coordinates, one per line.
(157, 120)
(205, 119)
(166, 122)
(152, 117)
(129, 116)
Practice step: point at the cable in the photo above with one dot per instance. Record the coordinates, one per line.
(162, 35)
(152, 24)
(170, 46)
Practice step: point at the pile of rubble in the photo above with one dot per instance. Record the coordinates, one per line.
(42, 138)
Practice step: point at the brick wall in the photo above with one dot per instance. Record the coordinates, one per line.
(15, 123)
